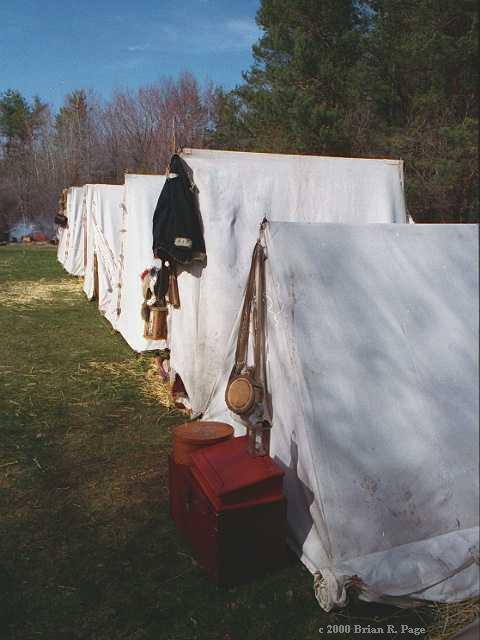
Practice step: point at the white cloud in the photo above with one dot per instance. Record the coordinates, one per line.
(233, 34)
(209, 36)
(139, 47)
(245, 29)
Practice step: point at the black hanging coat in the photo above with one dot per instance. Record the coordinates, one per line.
(177, 226)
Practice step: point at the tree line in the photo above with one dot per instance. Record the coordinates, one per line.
(92, 141)
(360, 78)
(371, 78)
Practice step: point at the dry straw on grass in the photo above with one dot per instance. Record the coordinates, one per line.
(25, 294)
(149, 381)
(450, 618)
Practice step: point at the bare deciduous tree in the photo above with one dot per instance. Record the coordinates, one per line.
(90, 141)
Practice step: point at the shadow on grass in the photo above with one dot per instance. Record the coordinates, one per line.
(87, 549)
(90, 552)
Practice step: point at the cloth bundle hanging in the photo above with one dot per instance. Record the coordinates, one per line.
(177, 238)
(159, 287)
(246, 389)
(60, 218)
(177, 226)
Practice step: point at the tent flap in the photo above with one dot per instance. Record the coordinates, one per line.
(236, 191)
(373, 366)
(141, 193)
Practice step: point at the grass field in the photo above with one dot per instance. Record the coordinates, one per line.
(87, 550)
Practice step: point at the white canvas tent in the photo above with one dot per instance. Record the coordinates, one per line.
(236, 190)
(88, 242)
(103, 218)
(373, 368)
(141, 193)
(63, 238)
(70, 247)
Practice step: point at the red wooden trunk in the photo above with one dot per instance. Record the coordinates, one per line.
(189, 437)
(236, 519)
(180, 483)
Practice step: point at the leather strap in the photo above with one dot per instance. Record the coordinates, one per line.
(244, 329)
(253, 310)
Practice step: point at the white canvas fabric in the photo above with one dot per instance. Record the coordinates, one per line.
(373, 367)
(62, 235)
(141, 194)
(236, 191)
(70, 248)
(88, 238)
(103, 210)
(108, 240)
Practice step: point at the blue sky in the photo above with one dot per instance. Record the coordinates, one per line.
(50, 47)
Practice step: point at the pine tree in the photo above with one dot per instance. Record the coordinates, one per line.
(19, 120)
(423, 76)
(371, 78)
(298, 92)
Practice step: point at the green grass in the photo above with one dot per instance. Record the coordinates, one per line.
(87, 549)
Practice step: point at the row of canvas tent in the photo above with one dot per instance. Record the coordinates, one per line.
(372, 353)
